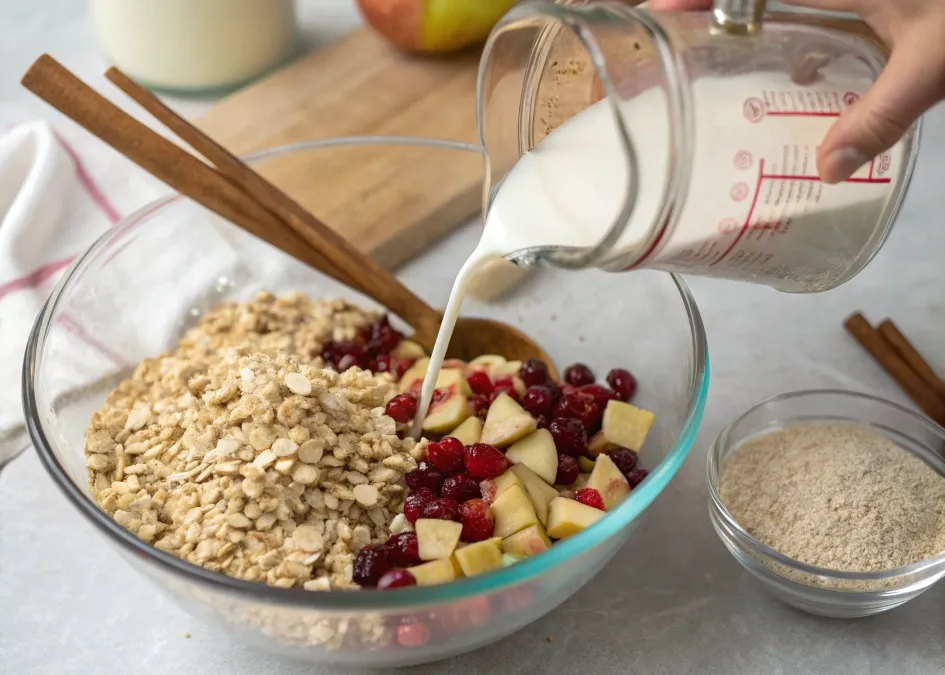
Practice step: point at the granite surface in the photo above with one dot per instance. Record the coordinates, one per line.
(673, 601)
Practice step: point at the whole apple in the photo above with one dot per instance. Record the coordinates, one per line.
(434, 26)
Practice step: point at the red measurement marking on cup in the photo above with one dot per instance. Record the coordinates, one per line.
(802, 113)
(739, 192)
(762, 176)
(743, 160)
(753, 109)
(851, 97)
(727, 226)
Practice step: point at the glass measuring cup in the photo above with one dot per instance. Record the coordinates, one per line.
(701, 154)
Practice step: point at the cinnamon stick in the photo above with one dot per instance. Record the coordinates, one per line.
(896, 367)
(908, 353)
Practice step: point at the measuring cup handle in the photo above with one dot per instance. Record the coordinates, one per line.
(738, 17)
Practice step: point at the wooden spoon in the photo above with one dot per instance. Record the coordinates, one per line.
(245, 198)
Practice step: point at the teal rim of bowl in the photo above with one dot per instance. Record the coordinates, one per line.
(399, 599)
(713, 468)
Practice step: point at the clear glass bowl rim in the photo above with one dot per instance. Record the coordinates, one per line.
(399, 599)
(714, 470)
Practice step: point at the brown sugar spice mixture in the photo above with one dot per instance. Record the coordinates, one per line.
(840, 497)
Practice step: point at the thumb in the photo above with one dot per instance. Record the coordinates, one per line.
(905, 89)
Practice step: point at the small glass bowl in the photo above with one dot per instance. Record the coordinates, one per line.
(813, 589)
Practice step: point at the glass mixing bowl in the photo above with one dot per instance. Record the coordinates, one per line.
(142, 283)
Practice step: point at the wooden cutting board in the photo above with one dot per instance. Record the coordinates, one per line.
(392, 201)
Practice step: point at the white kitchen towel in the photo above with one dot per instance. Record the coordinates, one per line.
(59, 191)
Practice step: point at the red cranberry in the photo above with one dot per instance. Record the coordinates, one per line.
(479, 382)
(485, 461)
(397, 579)
(578, 375)
(580, 406)
(543, 422)
(533, 372)
(504, 385)
(382, 338)
(447, 455)
(381, 363)
(441, 508)
(478, 523)
(415, 501)
(480, 405)
(590, 497)
(636, 477)
(567, 470)
(402, 408)
(370, 564)
(539, 400)
(414, 634)
(623, 383)
(425, 475)
(347, 361)
(460, 487)
(600, 393)
(626, 460)
(402, 548)
(400, 366)
(570, 436)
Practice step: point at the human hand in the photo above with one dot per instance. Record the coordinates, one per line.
(911, 83)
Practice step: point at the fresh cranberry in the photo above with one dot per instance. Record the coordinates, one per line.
(402, 549)
(533, 372)
(478, 523)
(479, 405)
(569, 435)
(447, 455)
(370, 564)
(600, 393)
(543, 422)
(539, 400)
(415, 501)
(402, 408)
(397, 579)
(578, 375)
(590, 497)
(413, 634)
(400, 366)
(382, 338)
(636, 477)
(460, 487)
(381, 363)
(505, 385)
(441, 508)
(567, 470)
(425, 475)
(623, 383)
(626, 460)
(485, 461)
(334, 351)
(580, 406)
(479, 382)
(347, 361)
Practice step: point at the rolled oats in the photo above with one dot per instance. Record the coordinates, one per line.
(238, 451)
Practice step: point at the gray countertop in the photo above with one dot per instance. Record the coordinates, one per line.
(673, 601)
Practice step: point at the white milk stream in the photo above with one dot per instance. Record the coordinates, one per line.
(755, 210)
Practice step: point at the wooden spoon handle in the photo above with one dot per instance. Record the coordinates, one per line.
(187, 174)
(358, 270)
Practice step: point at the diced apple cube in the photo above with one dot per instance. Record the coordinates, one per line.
(598, 443)
(447, 415)
(469, 431)
(506, 368)
(437, 572)
(626, 425)
(414, 375)
(513, 512)
(536, 451)
(508, 559)
(408, 349)
(567, 517)
(538, 491)
(530, 541)
(486, 362)
(437, 539)
(480, 557)
(607, 479)
(506, 422)
(585, 464)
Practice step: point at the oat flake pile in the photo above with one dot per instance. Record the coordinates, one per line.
(253, 460)
(839, 497)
